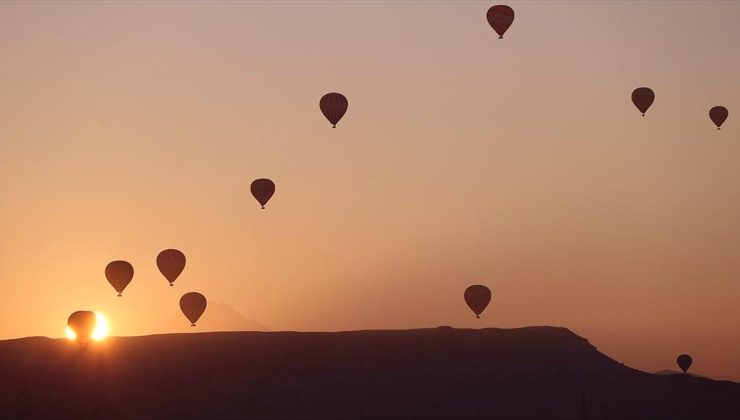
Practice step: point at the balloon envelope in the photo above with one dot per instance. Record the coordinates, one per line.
(262, 190)
(445, 338)
(684, 362)
(193, 304)
(83, 324)
(333, 106)
(643, 97)
(500, 18)
(477, 297)
(171, 262)
(718, 115)
(119, 275)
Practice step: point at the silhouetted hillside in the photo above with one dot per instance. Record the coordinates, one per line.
(438, 373)
(676, 372)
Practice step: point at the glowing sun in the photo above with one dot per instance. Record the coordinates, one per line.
(99, 333)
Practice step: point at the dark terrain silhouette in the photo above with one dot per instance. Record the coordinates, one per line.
(675, 372)
(435, 373)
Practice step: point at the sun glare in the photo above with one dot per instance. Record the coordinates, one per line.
(101, 327)
(99, 333)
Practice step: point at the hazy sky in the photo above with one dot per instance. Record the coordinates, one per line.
(128, 128)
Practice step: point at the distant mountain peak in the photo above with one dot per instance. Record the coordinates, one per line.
(217, 317)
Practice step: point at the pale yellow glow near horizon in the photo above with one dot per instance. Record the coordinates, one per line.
(127, 128)
(102, 329)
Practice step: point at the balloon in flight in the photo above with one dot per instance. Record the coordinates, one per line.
(684, 362)
(193, 304)
(500, 18)
(643, 97)
(718, 115)
(477, 297)
(171, 262)
(333, 106)
(83, 324)
(262, 190)
(119, 275)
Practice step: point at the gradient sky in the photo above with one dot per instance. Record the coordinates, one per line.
(128, 128)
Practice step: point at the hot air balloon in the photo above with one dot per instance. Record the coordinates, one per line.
(119, 275)
(684, 362)
(718, 114)
(643, 97)
(500, 18)
(333, 106)
(445, 339)
(83, 324)
(171, 262)
(477, 297)
(262, 189)
(193, 304)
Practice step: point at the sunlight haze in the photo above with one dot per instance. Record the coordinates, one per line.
(521, 164)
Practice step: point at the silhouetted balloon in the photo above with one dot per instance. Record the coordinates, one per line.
(500, 18)
(445, 339)
(83, 324)
(333, 106)
(262, 189)
(718, 114)
(477, 297)
(684, 362)
(171, 262)
(119, 275)
(193, 304)
(643, 97)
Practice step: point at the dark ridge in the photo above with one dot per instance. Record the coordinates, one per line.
(434, 373)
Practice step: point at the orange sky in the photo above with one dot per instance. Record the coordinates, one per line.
(128, 128)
